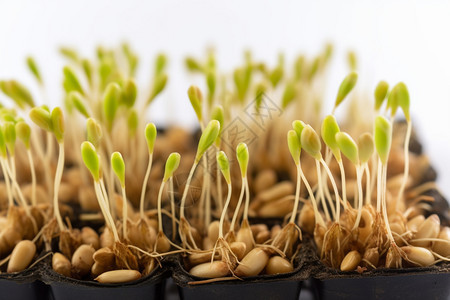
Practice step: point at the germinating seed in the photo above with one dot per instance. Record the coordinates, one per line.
(21, 256)
(82, 260)
(90, 237)
(428, 229)
(61, 264)
(419, 255)
(253, 263)
(351, 261)
(118, 276)
(442, 247)
(215, 269)
(278, 265)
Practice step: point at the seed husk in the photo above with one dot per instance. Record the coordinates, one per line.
(253, 263)
(245, 235)
(21, 256)
(213, 269)
(82, 260)
(428, 229)
(419, 255)
(61, 264)
(415, 222)
(262, 237)
(118, 276)
(278, 265)
(351, 261)
(443, 247)
(238, 249)
(90, 237)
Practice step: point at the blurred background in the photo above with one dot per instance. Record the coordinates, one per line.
(394, 40)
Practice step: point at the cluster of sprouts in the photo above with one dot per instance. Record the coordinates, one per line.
(355, 189)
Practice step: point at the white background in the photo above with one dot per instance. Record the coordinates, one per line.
(395, 40)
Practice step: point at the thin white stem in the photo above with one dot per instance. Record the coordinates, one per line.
(247, 200)
(406, 167)
(58, 176)
(33, 178)
(106, 214)
(359, 172)
(8, 184)
(208, 201)
(144, 185)
(379, 185)
(186, 189)
(172, 206)
(343, 184)
(320, 190)
(124, 213)
(297, 196)
(238, 206)
(105, 195)
(224, 211)
(161, 189)
(368, 188)
(219, 202)
(335, 189)
(318, 217)
(384, 204)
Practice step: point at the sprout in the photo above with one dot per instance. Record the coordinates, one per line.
(345, 88)
(294, 146)
(298, 127)
(329, 130)
(111, 102)
(88, 70)
(348, 147)
(94, 132)
(299, 67)
(160, 64)
(288, 95)
(399, 96)
(352, 60)
(71, 82)
(276, 75)
(129, 93)
(224, 165)
(211, 83)
(196, 98)
(314, 67)
(380, 94)
(366, 147)
(23, 131)
(17, 92)
(9, 131)
(91, 159)
(132, 122)
(58, 124)
(217, 114)
(193, 65)
(69, 53)
(383, 138)
(41, 117)
(242, 157)
(159, 83)
(118, 166)
(150, 137)
(31, 64)
(207, 138)
(309, 140)
(76, 99)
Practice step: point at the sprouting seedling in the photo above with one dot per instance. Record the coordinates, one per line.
(314, 68)
(329, 130)
(196, 98)
(345, 88)
(34, 69)
(224, 165)
(160, 64)
(310, 141)
(111, 99)
(352, 60)
(54, 123)
(172, 163)
(193, 65)
(132, 59)
(94, 132)
(92, 162)
(159, 83)
(118, 166)
(401, 97)
(70, 54)
(23, 131)
(3, 162)
(132, 122)
(294, 144)
(71, 82)
(383, 139)
(207, 138)
(129, 93)
(289, 94)
(243, 158)
(150, 137)
(350, 149)
(88, 70)
(380, 94)
(366, 148)
(17, 92)
(217, 114)
(259, 93)
(211, 81)
(77, 100)
(299, 68)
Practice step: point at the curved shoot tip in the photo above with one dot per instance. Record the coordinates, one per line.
(23, 131)
(366, 147)
(242, 157)
(208, 137)
(352, 60)
(196, 98)
(159, 83)
(111, 99)
(42, 118)
(294, 146)
(129, 93)
(32, 65)
(193, 65)
(150, 136)
(310, 141)
(172, 163)
(118, 166)
(91, 159)
(399, 96)
(160, 63)
(58, 125)
(380, 94)
(9, 131)
(346, 87)
(348, 147)
(289, 94)
(224, 165)
(71, 82)
(383, 138)
(132, 121)
(328, 132)
(94, 132)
